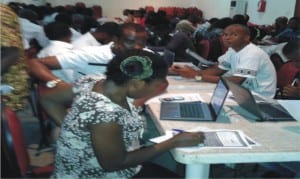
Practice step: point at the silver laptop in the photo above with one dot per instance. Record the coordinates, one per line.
(196, 111)
(262, 109)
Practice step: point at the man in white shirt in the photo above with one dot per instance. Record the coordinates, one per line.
(59, 35)
(102, 35)
(30, 31)
(89, 60)
(243, 63)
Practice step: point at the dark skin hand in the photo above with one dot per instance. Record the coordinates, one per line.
(112, 155)
(291, 91)
(211, 74)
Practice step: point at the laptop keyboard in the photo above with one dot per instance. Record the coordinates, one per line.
(271, 111)
(191, 110)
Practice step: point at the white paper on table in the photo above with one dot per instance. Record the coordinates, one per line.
(220, 138)
(187, 97)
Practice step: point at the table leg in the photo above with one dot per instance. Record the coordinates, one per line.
(194, 171)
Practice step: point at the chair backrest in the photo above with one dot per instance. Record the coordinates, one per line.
(217, 48)
(286, 74)
(203, 48)
(13, 136)
(277, 61)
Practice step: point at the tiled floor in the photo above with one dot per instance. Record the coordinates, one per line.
(32, 135)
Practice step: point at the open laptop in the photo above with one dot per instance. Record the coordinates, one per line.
(263, 109)
(196, 111)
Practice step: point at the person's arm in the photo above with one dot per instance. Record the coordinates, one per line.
(291, 91)
(111, 153)
(39, 68)
(188, 72)
(55, 102)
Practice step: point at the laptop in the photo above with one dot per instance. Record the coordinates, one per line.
(197, 110)
(264, 110)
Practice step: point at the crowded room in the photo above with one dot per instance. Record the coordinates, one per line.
(192, 89)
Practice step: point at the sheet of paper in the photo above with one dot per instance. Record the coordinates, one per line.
(220, 138)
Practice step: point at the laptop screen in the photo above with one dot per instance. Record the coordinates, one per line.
(219, 96)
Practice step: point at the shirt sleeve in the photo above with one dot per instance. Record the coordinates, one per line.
(224, 61)
(79, 59)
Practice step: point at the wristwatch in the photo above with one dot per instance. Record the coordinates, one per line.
(198, 77)
(52, 83)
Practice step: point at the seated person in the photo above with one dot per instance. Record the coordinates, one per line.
(92, 59)
(103, 34)
(243, 63)
(293, 90)
(59, 35)
(100, 134)
(182, 40)
(279, 53)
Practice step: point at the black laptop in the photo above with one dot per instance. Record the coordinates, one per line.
(196, 111)
(264, 110)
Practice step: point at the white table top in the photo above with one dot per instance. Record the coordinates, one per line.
(279, 141)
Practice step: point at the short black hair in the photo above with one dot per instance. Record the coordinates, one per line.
(292, 49)
(111, 28)
(114, 73)
(57, 30)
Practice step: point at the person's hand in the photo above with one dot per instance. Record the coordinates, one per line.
(184, 71)
(291, 91)
(186, 139)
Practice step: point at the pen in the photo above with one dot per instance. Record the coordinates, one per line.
(178, 130)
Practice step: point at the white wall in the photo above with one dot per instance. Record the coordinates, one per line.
(210, 8)
(114, 8)
(274, 9)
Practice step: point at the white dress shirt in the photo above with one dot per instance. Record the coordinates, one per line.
(31, 31)
(91, 60)
(85, 40)
(56, 47)
(75, 34)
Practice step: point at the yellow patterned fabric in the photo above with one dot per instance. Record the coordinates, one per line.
(16, 76)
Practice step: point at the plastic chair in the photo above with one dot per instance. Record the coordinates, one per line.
(203, 48)
(14, 148)
(34, 94)
(286, 74)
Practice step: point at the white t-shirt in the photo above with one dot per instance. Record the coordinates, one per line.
(85, 40)
(90, 60)
(253, 64)
(56, 47)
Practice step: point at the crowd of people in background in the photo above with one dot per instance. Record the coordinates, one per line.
(63, 43)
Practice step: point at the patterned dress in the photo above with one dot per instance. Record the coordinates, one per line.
(16, 76)
(75, 157)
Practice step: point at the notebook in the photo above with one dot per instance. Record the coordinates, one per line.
(263, 109)
(197, 110)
